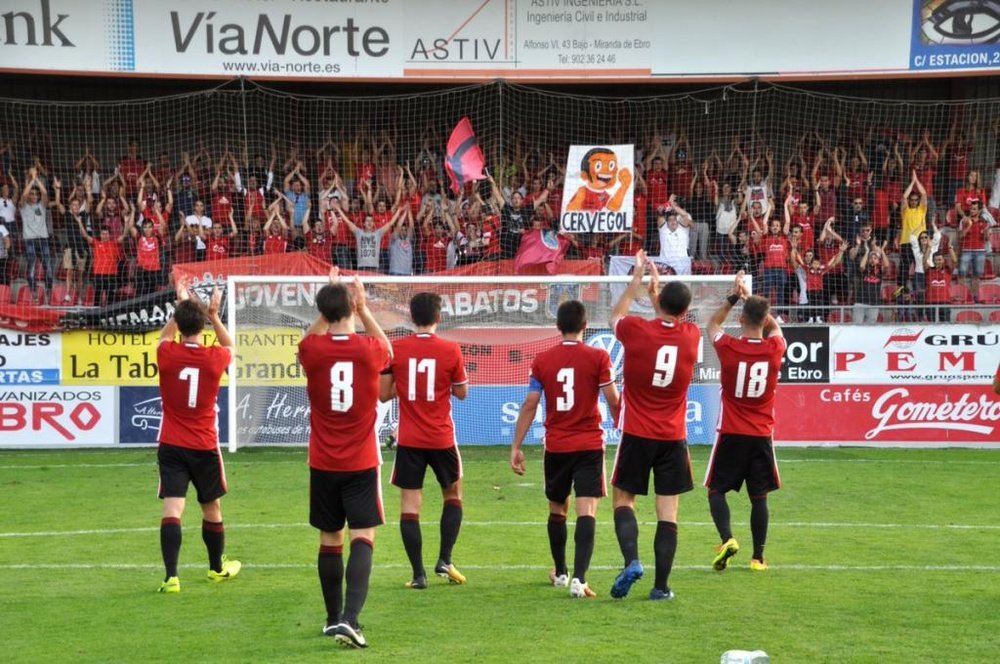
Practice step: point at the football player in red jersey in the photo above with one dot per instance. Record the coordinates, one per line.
(189, 440)
(570, 375)
(342, 375)
(426, 371)
(744, 451)
(659, 360)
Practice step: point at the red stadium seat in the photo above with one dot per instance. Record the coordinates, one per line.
(88, 297)
(24, 296)
(5, 294)
(988, 272)
(888, 293)
(989, 293)
(995, 238)
(59, 295)
(834, 316)
(995, 316)
(960, 294)
(892, 271)
(968, 316)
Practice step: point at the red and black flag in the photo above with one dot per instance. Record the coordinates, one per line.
(464, 161)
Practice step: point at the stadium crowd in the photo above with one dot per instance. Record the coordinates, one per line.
(882, 218)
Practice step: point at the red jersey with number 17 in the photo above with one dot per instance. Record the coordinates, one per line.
(749, 370)
(424, 368)
(658, 366)
(570, 376)
(342, 374)
(189, 391)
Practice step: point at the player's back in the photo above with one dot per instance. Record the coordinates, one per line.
(424, 368)
(342, 372)
(659, 362)
(189, 376)
(749, 370)
(571, 375)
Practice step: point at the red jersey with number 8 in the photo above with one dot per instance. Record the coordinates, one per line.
(658, 366)
(342, 375)
(189, 391)
(424, 368)
(749, 376)
(571, 376)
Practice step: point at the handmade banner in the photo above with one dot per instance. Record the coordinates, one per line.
(597, 193)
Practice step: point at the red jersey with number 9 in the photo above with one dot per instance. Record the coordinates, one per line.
(189, 391)
(571, 376)
(658, 366)
(424, 368)
(342, 376)
(749, 376)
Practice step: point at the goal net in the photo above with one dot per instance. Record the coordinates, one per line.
(501, 323)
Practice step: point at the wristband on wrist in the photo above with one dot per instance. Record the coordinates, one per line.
(733, 299)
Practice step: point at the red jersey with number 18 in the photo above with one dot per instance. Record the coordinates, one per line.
(570, 376)
(749, 371)
(189, 390)
(342, 375)
(658, 366)
(424, 368)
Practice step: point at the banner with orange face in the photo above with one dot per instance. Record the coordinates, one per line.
(597, 195)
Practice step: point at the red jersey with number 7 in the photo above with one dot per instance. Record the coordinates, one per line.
(424, 368)
(749, 370)
(571, 376)
(342, 375)
(658, 366)
(189, 391)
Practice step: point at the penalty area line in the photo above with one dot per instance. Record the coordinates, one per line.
(511, 568)
(517, 524)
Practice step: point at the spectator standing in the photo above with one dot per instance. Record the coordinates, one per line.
(34, 203)
(938, 290)
(914, 221)
(872, 265)
(973, 240)
(200, 224)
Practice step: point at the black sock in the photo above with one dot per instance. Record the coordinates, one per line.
(719, 508)
(451, 523)
(359, 569)
(214, 535)
(665, 546)
(331, 580)
(409, 528)
(583, 537)
(758, 524)
(557, 541)
(627, 531)
(170, 544)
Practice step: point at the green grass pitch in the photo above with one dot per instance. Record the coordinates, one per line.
(876, 556)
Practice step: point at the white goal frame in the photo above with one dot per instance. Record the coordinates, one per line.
(234, 280)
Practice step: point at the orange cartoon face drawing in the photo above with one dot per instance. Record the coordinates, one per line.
(600, 168)
(600, 172)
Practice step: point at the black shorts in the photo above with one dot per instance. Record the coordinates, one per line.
(737, 458)
(411, 464)
(581, 471)
(339, 498)
(669, 461)
(180, 466)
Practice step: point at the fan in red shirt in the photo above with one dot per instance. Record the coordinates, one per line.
(189, 376)
(970, 190)
(217, 247)
(131, 168)
(571, 375)
(318, 242)
(342, 381)
(491, 236)
(148, 245)
(659, 359)
(656, 184)
(744, 451)
(275, 234)
(799, 216)
(426, 371)
(107, 254)
(938, 288)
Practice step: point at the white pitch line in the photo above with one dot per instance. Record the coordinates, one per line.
(516, 524)
(506, 568)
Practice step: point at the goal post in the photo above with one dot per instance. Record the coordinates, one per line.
(500, 323)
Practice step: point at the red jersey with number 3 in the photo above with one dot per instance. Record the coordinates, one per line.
(570, 376)
(658, 366)
(189, 391)
(342, 373)
(749, 376)
(424, 368)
